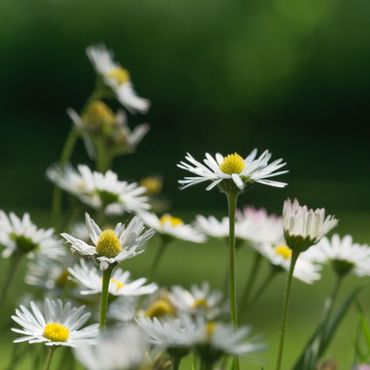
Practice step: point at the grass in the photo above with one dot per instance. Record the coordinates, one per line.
(186, 263)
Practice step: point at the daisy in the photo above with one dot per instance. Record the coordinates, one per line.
(199, 300)
(257, 226)
(47, 273)
(99, 190)
(170, 333)
(173, 227)
(119, 284)
(212, 227)
(123, 309)
(241, 171)
(344, 255)
(20, 235)
(54, 324)
(215, 339)
(111, 246)
(280, 258)
(110, 354)
(304, 227)
(116, 78)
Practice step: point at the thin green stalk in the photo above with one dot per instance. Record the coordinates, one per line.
(104, 298)
(158, 256)
(176, 360)
(232, 199)
(49, 358)
(13, 264)
(261, 289)
(206, 365)
(250, 281)
(284, 318)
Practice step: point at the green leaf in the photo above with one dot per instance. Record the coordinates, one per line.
(322, 337)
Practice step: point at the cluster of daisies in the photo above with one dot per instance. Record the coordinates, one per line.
(83, 296)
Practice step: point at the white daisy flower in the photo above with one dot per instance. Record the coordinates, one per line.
(216, 339)
(119, 284)
(200, 300)
(47, 273)
(304, 227)
(280, 257)
(123, 309)
(169, 332)
(257, 226)
(111, 246)
(80, 231)
(110, 354)
(20, 235)
(343, 254)
(212, 227)
(54, 324)
(234, 168)
(116, 78)
(99, 190)
(175, 227)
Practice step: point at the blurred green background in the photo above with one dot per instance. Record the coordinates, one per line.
(285, 75)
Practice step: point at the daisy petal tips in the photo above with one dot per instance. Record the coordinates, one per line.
(232, 168)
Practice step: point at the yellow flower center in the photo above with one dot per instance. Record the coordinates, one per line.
(56, 332)
(98, 114)
(120, 75)
(152, 184)
(232, 163)
(283, 251)
(210, 328)
(108, 244)
(160, 307)
(200, 303)
(173, 221)
(117, 283)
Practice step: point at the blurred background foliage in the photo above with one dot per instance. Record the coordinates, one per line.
(226, 75)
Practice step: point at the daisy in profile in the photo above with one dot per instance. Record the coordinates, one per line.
(305, 227)
(232, 168)
(19, 236)
(116, 78)
(343, 254)
(119, 284)
(199, 300)
(257, 226)
(212, 227)
(169, 228)
(54, 324)
(110, 354)
(100, 191)
(111, 247)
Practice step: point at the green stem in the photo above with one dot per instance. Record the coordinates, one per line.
(251, 280)
(261, 289)
(176, 360)
(284, 318)
(206, 365)
(13, 264)
(49, 358)
(104, 297)
(158, 256)
(232, 199)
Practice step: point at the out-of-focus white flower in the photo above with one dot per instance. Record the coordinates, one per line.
(112, 246)
(123, 309)
(169, 332)
(344, 255)
(281, 255)
(172, 226)
(116, 78)
(304, 227)
(257, 226)
(122, 348)
(119, 284)
(99, 190)
(199, 300)
(241, 171)
(54, 324)
(212, 227)
(20, 235)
